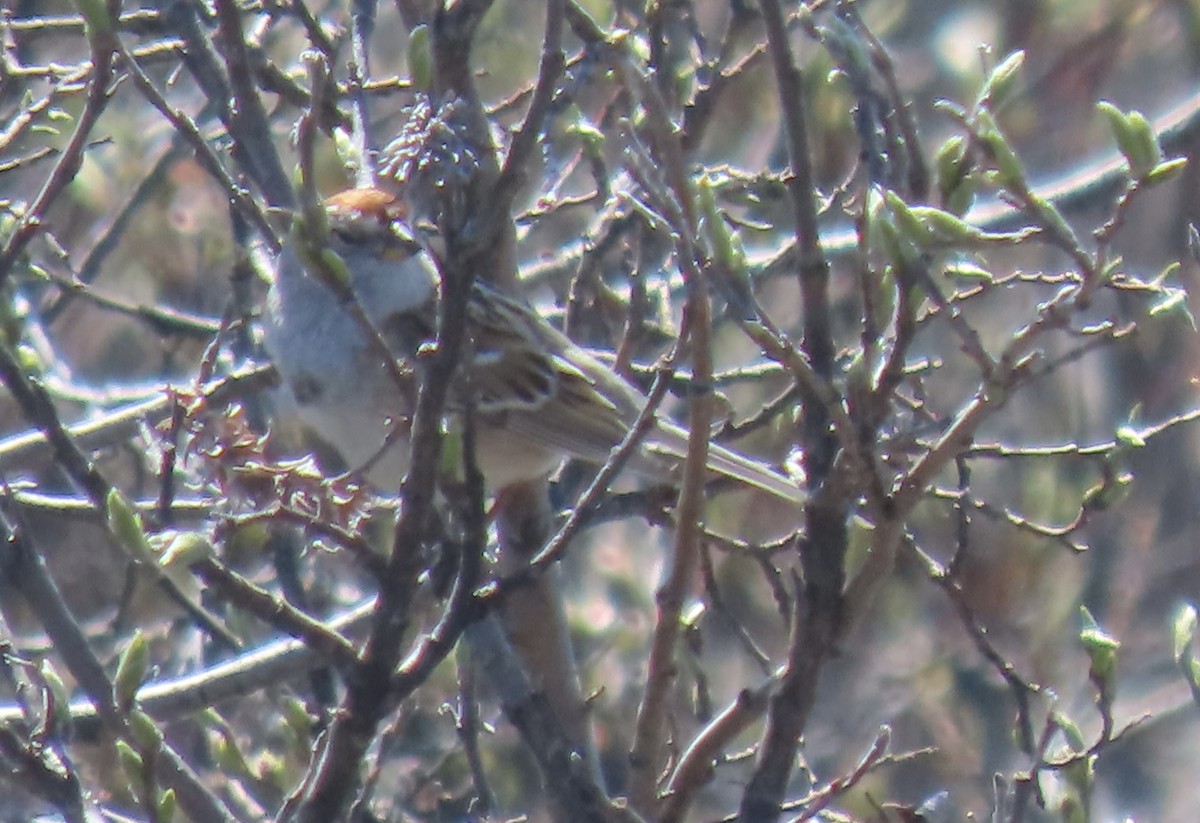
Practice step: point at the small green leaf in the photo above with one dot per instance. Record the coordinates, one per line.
(950, 158)
(58, 689)
(131, 763)
(638, 45)
(1001, 80)
(334, 265)
(726, 249)
(167, 806)
(1135, 139)
(186, 549)
(1129, 435)
(1166, 170)
(1122, 130)
(953, 171)
(247, 539)
(906, 221)
(587, 132)
(296, 716)
(1101, 648)
(145, 732)
(420, 58)
(210, 718)
(946, 227)
(30, 360)
(1175, 300)
(1146, 152)
(229, 758)
(271, 769)
(964, 270)
(347, 150)
(1008, 166)
(1070, 730)
(132, 669)
(125, 524)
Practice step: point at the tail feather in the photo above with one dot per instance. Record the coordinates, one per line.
(731, 464)
(752, 473)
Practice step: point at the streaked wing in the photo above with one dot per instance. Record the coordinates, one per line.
(538, 385)
(509, 370)
(522, 377)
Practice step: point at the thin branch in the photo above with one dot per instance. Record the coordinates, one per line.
(102, 42)
(818, 618)
(26, 569)
(247, 673)
(527, 137)
(205, 156)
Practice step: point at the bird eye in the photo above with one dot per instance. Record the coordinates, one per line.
(342, 233)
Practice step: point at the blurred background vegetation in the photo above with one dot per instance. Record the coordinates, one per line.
(142, 224)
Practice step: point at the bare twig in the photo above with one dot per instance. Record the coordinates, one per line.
(102, 41)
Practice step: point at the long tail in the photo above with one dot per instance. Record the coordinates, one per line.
(757, 475)
(731, 464)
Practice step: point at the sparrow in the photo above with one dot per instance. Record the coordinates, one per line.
(538, 397)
